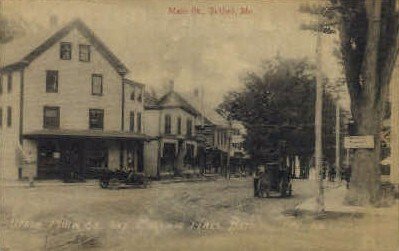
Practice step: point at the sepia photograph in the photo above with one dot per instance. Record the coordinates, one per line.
(166, 125)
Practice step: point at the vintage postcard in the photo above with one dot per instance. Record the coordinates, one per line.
(199, 125)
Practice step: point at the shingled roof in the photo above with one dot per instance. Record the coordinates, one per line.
(13, 60)
(170, 100)
(133, 83)
(150, 102)
(211, 117)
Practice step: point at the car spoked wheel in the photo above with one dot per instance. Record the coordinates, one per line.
(267, 193)
(113, 183)
(283, 189)
(104, 184)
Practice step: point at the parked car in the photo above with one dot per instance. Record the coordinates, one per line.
(273, 178)
(120, 178)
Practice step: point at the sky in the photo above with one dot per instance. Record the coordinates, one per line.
(212, 50)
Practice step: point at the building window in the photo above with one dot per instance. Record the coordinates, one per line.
(139, 122)
(9, 82)
(133, 95)
(189, 127)
(96, 154)
(189, 157)
(178, 125)
(65, 51)
(97, 84)
(224, 138)
(96, 119)
(1, 117)
(84, 53)
(131, 126)
(9, 114)
(385, 170)
(168, 124)
(52, 81)
(51, 117)
(140, 96)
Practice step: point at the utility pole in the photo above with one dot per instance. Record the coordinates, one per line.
(337, 137)
(322, 26)
(228, 148)
(202, 106)
(320, 208)
(347, 157)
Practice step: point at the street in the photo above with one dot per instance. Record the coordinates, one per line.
(177, 216)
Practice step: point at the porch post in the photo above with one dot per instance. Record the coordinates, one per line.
(121, 155)
(136, 156)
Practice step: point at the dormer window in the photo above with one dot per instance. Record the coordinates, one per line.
(84, 53)
(65, 51)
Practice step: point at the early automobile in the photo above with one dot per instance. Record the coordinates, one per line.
(120, 178)
(272, 178)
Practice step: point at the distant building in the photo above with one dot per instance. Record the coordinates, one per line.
(65, 102)
(171, 121)
(239, 158)
(216, 146)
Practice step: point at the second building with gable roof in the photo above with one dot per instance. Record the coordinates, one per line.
(171, 121)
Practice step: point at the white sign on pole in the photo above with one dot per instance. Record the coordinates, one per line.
(359, 142)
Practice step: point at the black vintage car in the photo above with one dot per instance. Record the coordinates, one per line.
(121, 178)
(273, 178)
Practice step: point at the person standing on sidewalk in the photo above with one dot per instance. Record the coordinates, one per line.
(30, 168)
(348, 173)
(27, 162)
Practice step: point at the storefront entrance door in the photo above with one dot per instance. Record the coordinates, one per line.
(72, 160)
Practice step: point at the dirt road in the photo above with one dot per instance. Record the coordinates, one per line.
(217, 215)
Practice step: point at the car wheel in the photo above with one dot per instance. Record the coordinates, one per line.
(104, 184)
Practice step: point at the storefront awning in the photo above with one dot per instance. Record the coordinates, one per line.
(98, 134)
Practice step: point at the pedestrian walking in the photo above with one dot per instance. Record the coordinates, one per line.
(348, 173)
(331, 173)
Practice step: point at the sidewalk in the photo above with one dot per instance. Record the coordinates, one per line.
(189, 179)
(334, 195)
(45, 183)
(334, 200)
(94, 182)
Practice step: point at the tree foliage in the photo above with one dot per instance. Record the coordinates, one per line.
(355, 19)
(10, 29)
(279, 105)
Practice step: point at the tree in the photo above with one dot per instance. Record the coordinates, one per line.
(279, 105)
(369, 42)
(10, 29)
